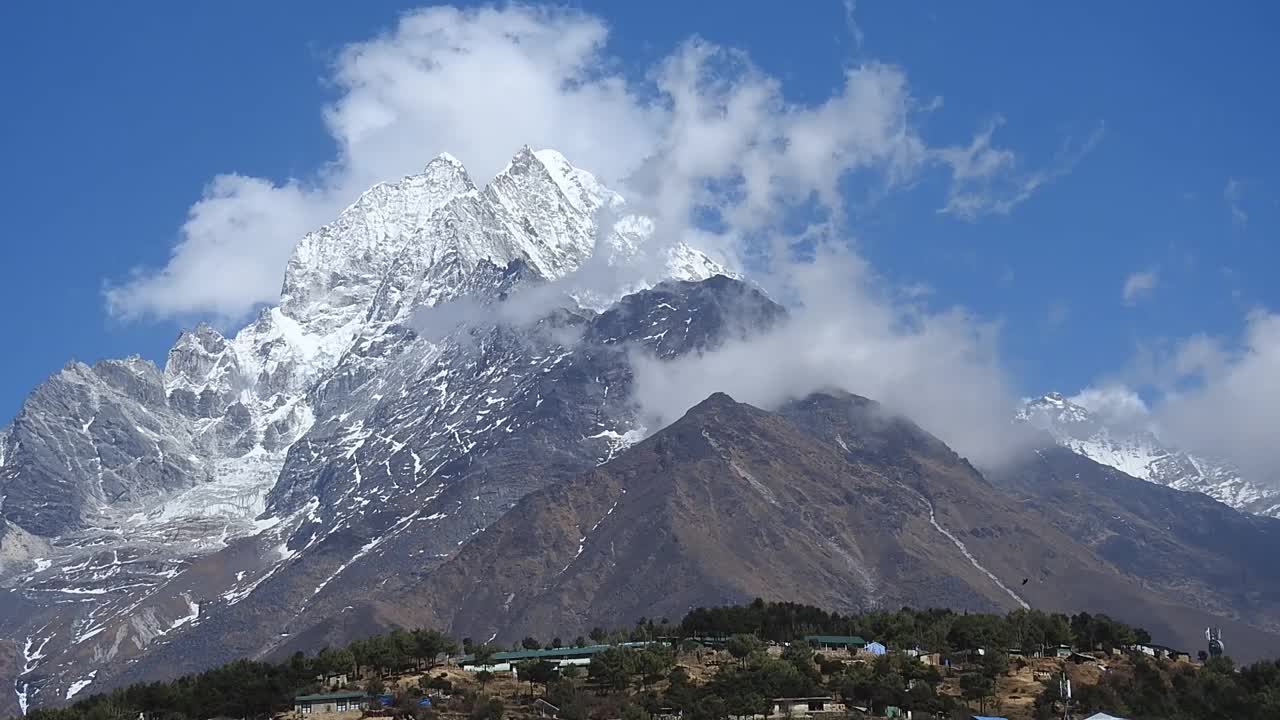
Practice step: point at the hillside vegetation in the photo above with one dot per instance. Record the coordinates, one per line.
(729, 661)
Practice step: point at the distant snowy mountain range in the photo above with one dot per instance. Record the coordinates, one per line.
(1141, 454)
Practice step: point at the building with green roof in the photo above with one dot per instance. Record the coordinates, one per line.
(836, 642)
(502, 662)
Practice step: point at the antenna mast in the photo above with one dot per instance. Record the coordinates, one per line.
(1216, 646)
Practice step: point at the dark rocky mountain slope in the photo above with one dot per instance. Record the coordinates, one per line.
(829, 501)
(1186, 547)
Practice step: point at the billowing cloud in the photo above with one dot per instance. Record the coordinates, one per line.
(734, 149)
(1228, 402)
(233, 248)
(849, 330)
(1210, 395)
(1138, 285)
(702, 128)
(705, 143)
(477, 83)
(1115, 404)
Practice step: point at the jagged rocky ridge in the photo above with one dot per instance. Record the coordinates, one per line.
(1138, 452)
(140, 504)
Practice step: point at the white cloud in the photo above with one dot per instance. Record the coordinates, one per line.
(1229, 404)
(706, 133)
(478, 84)
(1233, 195)
(734, 146)
(1213, 396)
(979, 160)
(849, 331)
(704, 127)
(987, 180)
(1138, 285)
(233, 248)
(1115, 404)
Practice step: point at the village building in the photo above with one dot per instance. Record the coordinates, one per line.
(711, 643)
(799, 707)
(563, 657)
(925, 658)
(931, 659)
(1163, 652)
(330, 703)
(836, 642)
(875, 648)
(333, 681)
(959, 657)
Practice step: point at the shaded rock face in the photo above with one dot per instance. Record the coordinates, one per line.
(230, 488)
(93, 437)
(1199, 552)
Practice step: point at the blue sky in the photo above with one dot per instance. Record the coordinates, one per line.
(1152, 126)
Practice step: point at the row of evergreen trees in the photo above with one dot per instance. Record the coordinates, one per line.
(935, 630)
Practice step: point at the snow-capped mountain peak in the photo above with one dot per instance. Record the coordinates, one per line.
(579, 186)
(327, 415)
(333, 271)
(1138, 451)
(445, 158)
